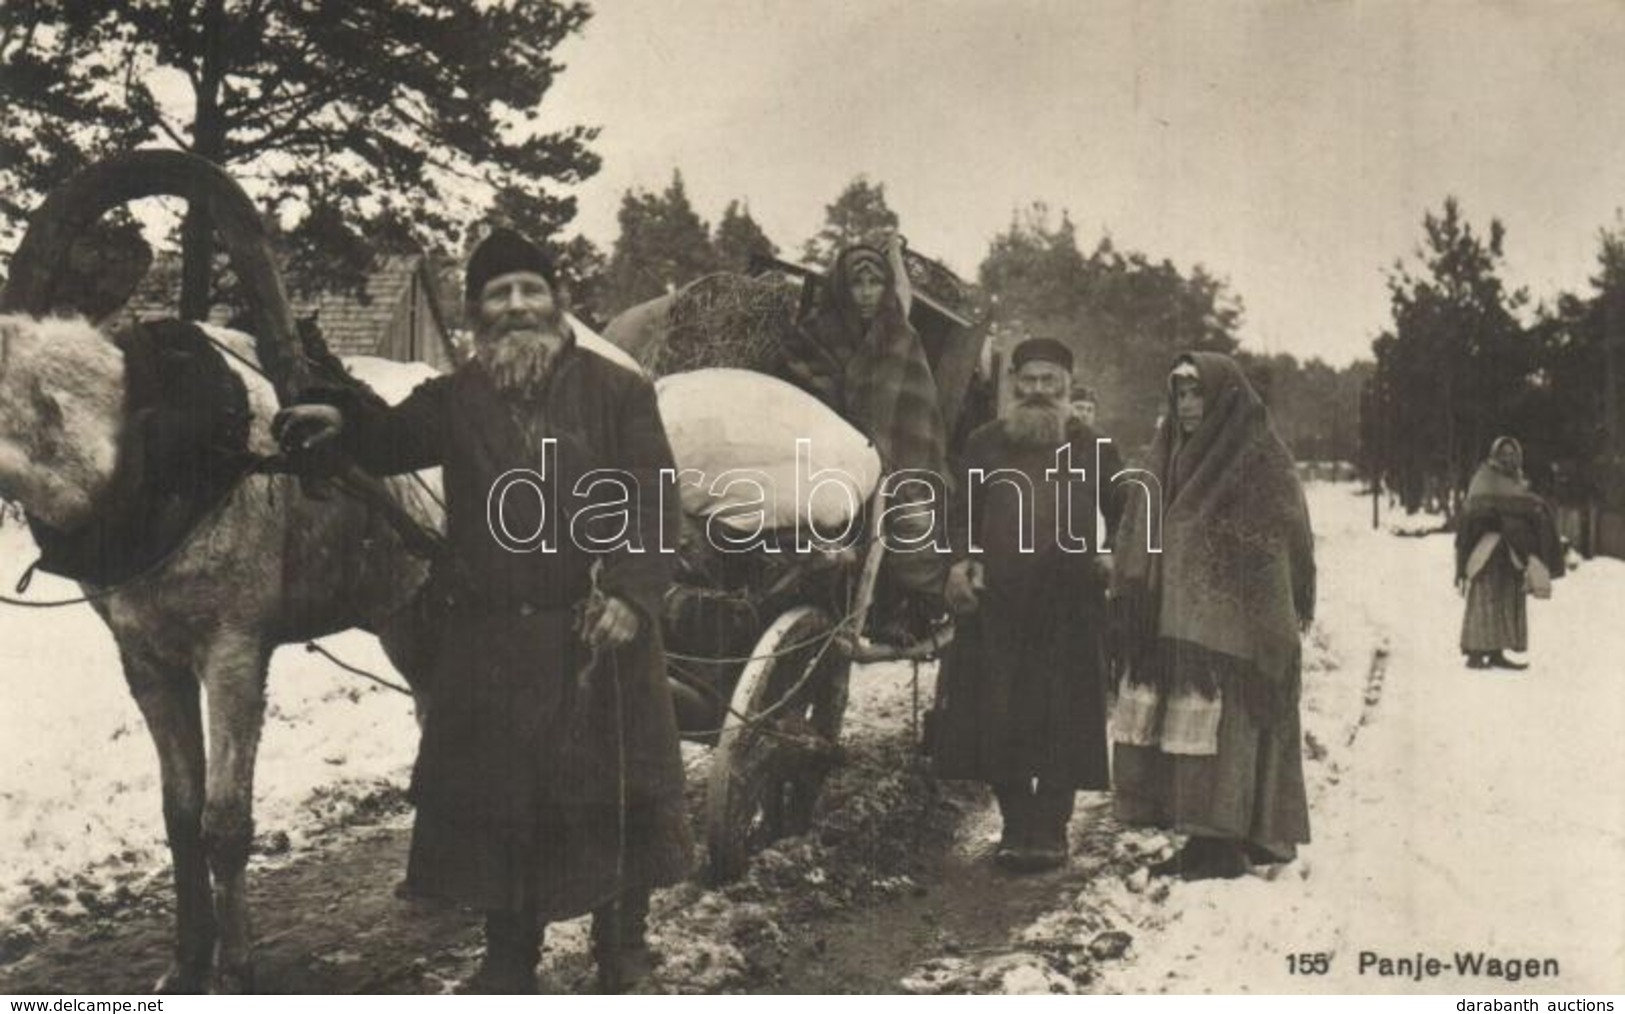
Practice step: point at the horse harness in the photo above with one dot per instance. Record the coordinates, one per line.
(183, 449)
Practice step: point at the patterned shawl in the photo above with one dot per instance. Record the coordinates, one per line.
(1499, 500)
(876, 376)
(1236, 573)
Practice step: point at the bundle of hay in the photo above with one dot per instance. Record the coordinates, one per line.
(724, 320)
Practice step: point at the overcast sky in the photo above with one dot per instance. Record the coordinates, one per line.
(1291, 148)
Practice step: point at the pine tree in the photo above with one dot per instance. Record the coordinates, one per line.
(364, 122)
(859, 215)
(663, 245)
(1124, 315)
(738, 237)
(1452, 371)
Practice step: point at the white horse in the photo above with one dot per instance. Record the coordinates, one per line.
(268, 566)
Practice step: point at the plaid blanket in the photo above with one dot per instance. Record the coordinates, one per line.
(876, 376)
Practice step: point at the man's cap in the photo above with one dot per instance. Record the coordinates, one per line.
(503, 252)
(1046, 350)
(1083, 392)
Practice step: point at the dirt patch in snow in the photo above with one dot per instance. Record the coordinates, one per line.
(327, 917)
(893, 891)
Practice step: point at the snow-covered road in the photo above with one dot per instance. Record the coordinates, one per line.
(1454, 812)
(79, 774)
(1475, 812)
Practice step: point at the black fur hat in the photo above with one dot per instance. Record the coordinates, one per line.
(502, 252)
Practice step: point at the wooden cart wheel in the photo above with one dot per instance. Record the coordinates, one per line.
(767, 771)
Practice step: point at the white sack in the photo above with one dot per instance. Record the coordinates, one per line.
(740, 424)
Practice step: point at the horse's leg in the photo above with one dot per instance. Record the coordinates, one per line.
(168, 699)
(233, 671)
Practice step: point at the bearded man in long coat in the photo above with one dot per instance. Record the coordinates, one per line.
(548, 783)
(1021, 698)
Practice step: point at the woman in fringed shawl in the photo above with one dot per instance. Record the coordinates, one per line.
(858, 354)
(1206, 726)
(1506, 542)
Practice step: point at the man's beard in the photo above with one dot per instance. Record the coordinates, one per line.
(518, 358)
(1037, 422)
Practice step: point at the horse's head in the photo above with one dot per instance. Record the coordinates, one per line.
(62, 381)
(61, 406)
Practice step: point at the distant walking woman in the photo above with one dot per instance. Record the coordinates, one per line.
(1506, 545)
(1206, 727)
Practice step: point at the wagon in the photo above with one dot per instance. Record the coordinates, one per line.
(760, 645)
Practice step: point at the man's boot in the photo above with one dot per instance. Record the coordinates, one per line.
(1498, 660)
(619, 943)
(513, 946)
(1053, 807)
(1015, 812)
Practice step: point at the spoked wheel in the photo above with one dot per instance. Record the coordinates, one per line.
(779, 740)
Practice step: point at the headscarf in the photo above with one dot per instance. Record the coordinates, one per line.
(1499, 500)
(875, 373)
(1236, 572)
(1493, 478)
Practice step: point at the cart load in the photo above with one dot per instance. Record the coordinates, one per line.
(757, 454)
(724, 319)
(760, 644)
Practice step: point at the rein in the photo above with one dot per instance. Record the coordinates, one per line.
(263, 464)
(258, 465)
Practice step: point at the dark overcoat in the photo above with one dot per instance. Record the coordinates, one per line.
(1022, 688)
(524, 767)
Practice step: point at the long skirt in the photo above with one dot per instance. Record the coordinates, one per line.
(1497, 615)
(1250, 790)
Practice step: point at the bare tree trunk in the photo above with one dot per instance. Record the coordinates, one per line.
(1452, 467)
(197, 262)
(208, 141)
(1611, 326)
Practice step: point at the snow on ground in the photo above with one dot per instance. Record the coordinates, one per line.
(1452, 810)
(1075, 946)
(79, 785)
(1475, 812)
